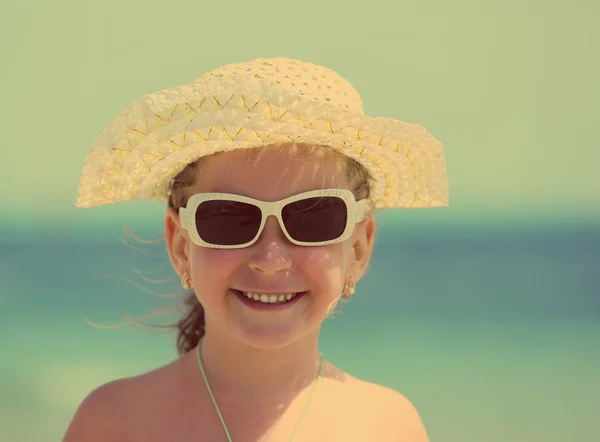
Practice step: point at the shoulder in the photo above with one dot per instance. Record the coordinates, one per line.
(113, 410)
(396, 414)
(99, 417)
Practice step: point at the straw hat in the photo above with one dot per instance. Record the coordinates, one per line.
(246, 105)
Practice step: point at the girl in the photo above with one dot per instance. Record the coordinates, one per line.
(271, 173)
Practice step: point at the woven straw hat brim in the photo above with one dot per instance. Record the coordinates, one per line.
(155, 137)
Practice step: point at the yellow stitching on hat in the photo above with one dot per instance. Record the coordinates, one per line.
(244, 101)
(160, 158)
(239, 130)
(331, 127)
(177, 144)
(281, 116)
(258, 76)
(232, 95)
(139, 131)
(215, 98)
(258, 135)
(190, 106)
(224, 129)
(200, 135)
(201, 103)
(270, 113)
(174, 109)
(120, 149)
(358, 134)
(155, 114)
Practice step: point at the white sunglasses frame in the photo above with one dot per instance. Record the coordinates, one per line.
(356, 212)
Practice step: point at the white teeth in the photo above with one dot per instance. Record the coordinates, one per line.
(268, 298)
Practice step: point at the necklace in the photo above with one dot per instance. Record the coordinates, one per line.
(219, 411)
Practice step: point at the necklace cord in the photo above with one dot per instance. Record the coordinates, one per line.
(219, 411)
(211, 395)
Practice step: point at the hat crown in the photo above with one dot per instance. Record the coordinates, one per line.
(293, 79)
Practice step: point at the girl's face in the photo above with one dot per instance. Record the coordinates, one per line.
(272, 264)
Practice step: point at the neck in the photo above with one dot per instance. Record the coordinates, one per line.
(237, 369)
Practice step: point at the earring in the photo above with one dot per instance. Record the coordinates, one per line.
(349, 289)
(186, 282)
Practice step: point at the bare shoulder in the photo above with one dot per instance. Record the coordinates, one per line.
(394, 412)
(99, 417)
(108, 411)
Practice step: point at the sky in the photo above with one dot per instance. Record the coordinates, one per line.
(509, 88)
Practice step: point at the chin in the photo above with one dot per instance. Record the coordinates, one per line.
(271, 337)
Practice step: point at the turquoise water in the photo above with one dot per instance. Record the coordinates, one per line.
(493, 333)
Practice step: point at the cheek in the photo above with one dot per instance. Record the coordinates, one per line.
(213, 267)
(325, 266)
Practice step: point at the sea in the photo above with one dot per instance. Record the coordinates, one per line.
(491, 331)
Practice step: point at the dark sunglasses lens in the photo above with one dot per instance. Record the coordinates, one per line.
(315, 219)
(227, 223)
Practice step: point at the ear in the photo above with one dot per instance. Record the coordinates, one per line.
(177, 241)
(362, 246)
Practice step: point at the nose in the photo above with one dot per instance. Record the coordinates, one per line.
(270, 253)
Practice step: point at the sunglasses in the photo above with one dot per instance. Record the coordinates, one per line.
(229, 221)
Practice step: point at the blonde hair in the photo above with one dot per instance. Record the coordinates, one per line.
(190, 327)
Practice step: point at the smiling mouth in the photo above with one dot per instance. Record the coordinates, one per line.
(269, 298)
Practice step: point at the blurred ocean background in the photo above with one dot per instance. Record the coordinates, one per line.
(493, 333)
(486, 314)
